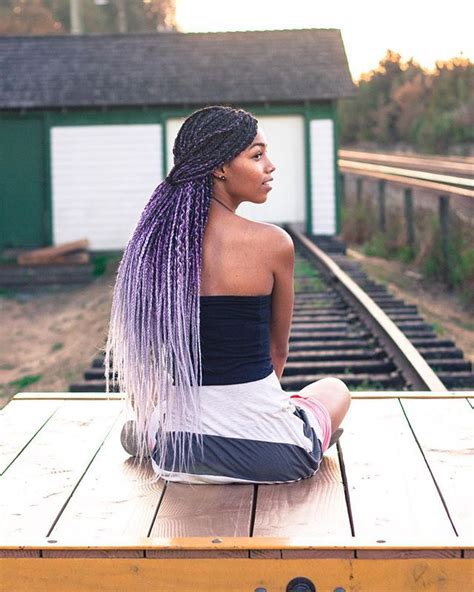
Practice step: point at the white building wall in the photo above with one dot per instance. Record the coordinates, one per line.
(102, 177)
(323, 187)
(285, 138)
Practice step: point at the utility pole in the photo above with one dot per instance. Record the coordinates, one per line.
(76, 17)
(121, 16)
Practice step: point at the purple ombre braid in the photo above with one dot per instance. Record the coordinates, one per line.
(153, 347)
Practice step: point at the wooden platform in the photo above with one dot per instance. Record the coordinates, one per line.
(389, 510)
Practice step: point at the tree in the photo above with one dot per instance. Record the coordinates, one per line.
(47, 17)
(28, 18)
(400, 102)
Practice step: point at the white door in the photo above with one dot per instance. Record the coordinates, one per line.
(102, 177)
(285, 138)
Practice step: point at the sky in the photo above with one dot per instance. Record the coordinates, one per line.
(422, 29)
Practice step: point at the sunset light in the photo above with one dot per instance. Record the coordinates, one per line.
(422, 30)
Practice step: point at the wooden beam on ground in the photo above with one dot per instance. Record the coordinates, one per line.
(48, 254)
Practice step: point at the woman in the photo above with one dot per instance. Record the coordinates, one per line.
(201, 318)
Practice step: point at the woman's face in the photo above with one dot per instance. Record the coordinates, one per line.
(248, 176)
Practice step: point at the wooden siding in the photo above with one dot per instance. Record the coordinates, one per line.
(22, 182)
(323, 196)
(102, 177)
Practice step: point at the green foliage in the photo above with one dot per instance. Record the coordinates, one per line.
(100, 264)
(451, 262)
(406, 254)
(306, 276)
(375, 246)
(368, 385)
(442, 261)
(357, 222)
(57, 346)
(400, 102)
(303, 267)
(49, 17)
(25, 380)
(438, 328)
(7, 293)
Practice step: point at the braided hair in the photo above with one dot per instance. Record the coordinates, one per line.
(153, 347)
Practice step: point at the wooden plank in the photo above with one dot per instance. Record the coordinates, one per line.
(39, 483)
(306, 508)
(406, 181)
(46, 254)
(100, 396)
(83, 257)
(116, 497)
(201, 575)
(409, 394)
(391, 491)
(68, 396)
(19, 423)
(203, 510)
(399, 543)
(444, 430)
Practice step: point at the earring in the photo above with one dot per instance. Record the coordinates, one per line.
(222, 177)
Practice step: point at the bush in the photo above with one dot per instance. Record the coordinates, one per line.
(375, 246)
(357, 223)
(406, 254)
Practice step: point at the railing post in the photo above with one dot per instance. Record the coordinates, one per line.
(359, 185)
(342, 180)
(443, 208)
(381, 196)
(409, 217)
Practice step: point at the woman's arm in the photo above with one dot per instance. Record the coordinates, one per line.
(282, 298)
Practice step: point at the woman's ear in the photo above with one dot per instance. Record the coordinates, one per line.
(218, 173)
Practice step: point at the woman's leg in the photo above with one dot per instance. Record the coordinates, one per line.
(333, 394)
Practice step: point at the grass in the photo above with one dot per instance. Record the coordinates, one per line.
(438, 328)
(100, 262)
(303, 267)
(308, 276)
(25, 381)
(368, 385)
(7, 293)
(375, 246)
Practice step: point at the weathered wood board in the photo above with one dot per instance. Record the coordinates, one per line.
(398, 486)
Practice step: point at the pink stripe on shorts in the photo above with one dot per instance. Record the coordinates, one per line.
(320, 413)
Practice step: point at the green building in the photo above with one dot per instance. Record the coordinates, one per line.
(87, 125)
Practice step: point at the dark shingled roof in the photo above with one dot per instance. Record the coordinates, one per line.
(173, 68)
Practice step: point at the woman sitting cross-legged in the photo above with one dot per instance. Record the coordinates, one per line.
(201, 317)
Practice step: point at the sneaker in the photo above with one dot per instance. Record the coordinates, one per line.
(335, 436)
(127, 437)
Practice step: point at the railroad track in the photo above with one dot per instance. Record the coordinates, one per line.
(382, 342)
(347, 326)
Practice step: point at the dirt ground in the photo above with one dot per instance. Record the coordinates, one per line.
(52, 336)
(49, 339)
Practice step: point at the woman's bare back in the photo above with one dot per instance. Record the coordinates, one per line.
(236, 257)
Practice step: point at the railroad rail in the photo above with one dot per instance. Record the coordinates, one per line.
(346, 326)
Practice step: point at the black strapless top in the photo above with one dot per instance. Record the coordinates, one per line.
(235, 338)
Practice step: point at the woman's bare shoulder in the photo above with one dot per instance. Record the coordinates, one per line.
(273, 236)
